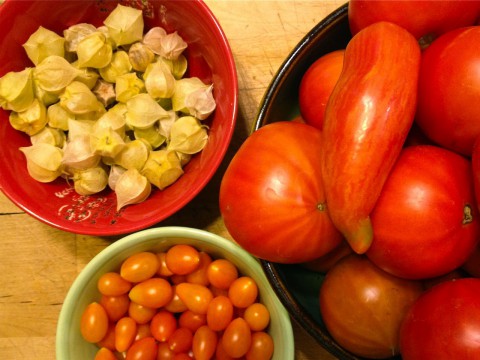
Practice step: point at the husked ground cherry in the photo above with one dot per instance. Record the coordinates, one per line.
(237, 338)
(181, 340)
(182, 259)
(219, 313)
(204, 343)
(152, 293)
(94, 323)
(139, 267)
(143, 349)
(115, 306)
(243, 292)
(112, 284)
(261, 347)
(163, 325)
(125, 333)
(199, 276)
(221, 273)
(141, 314)
(105, 354)
(257, 316)
(195, 297)
(191, 320)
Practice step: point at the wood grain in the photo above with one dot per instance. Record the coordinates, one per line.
(39, 263)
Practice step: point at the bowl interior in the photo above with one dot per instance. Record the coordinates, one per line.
(297, 287)
(56, 203)
(69, 342)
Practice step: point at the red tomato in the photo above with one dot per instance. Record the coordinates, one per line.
(425, 221)
(375, 99)
(94, 323)
(316, 86)
(472, 265)
(271, 195)
(363, 307)
(144, 349)
(422, 18)
(449, 90)
(444, 323)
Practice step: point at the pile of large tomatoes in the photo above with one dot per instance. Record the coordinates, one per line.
(177, 304)
(378, 182)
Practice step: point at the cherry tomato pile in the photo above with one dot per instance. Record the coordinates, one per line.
(377, 183)
(177, 304)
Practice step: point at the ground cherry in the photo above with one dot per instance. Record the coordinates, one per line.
(152, 293)
(195, 297)
(105, 354)
(115, 306)
(204, 343)
(94, 323)
(221, 273)
(182, 259)
(243, 292)
(125, 333)
(219, 313)
(143, 349)
(191, 320)
(237, 338)
(261, 347)
(112, 284)
(139, 267)
(257, 316)
(180, 341)
(163, 325)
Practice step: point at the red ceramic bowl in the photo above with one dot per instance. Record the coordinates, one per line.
(56, 203)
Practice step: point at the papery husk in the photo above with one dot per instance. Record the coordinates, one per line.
(80, 128)
(162, 168)
(134, 155)
(111, 119)
(16, 90)
(131, 188)
(178, 67)
(51, 136)
(90, 181)
(44, 161)
(186, 91)
(152, 39)
(78, 154)
(94, 51)
(171, 46)
(128, 86)
(159, 81)
(31, 120)
(58, 117)
(114, 174)
(165, 124)
(86, 75)
(43, 43)
(143, 111)
(46, 97)
(76, 33)
(150, 135)
(188, 135)
(119, 65)
(79, 99)
(140, 56)
(201, 103)
(54, 74)
(125, 25)
(107, 143)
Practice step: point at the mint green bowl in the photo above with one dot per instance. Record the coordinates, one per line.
(69, 342)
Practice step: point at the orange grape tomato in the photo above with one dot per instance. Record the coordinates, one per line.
(115, 306)
(175, 305)
(163, 324)
(182, 356)
(94, 323)
(204, 343)
(105, 354)
(219, 313)
(199, 276)
(108, 340)
(125, 333)
(195, 297)
(261, 347)
(163, 270)
(182, 259)
(143, 349)
(221, 273)
(141, 314)
(164, 352)
(257, 316)
(243, 292)
(191, 320)
(143, 331)
(139, 267)
(112, 284)
(220, 353)
(181, 340)
(237, 338)
(153, 293)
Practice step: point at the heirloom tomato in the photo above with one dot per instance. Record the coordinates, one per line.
(425, 222)
(444, 323)
(449, 90)
(363, 307)
(316, 86)
(271, 195)
(427, 19)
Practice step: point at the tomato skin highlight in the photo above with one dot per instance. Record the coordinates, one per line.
(444, 323)
(271, 195)
(425, 221)
(367, 120)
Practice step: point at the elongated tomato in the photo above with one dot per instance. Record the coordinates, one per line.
(366, 123)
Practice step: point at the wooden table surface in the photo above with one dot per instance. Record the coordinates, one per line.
(39, 263)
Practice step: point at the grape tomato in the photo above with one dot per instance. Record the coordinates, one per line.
(182, 259)
(139, 267)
